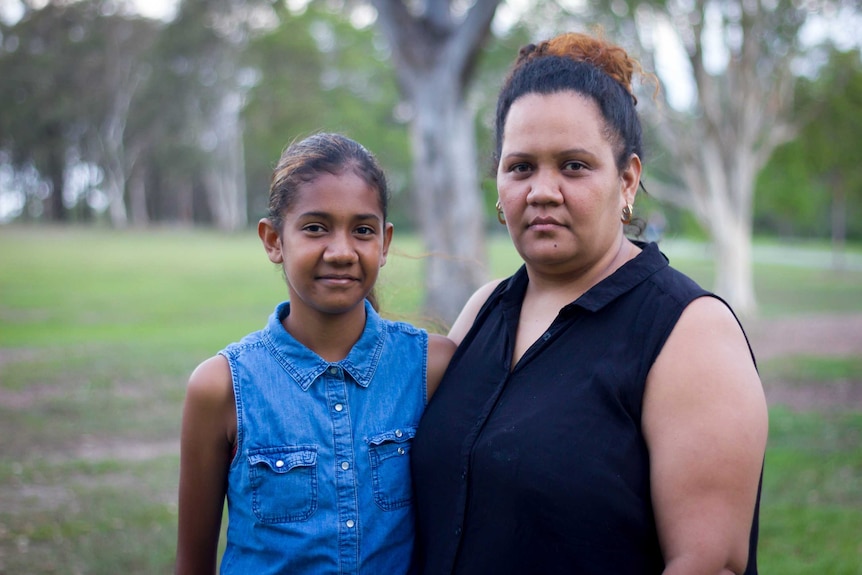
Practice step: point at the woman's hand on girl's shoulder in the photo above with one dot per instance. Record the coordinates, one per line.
(440, 350)
(705, 423)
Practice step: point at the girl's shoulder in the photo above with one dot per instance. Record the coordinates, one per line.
(211, 381)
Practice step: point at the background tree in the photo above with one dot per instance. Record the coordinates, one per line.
(435, 50)
(813, 185)
(315, 70)
(737, 57)
(42, 105)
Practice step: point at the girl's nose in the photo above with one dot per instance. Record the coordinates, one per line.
(340, 250)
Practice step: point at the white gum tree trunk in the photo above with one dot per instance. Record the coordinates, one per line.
(434, 53)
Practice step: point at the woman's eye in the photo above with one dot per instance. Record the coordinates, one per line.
(519, 168)
(314, 228)
(365, 230)
(573, 166)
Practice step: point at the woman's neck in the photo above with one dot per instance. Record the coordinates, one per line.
(563, 286)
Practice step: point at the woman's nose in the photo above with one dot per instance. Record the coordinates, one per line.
(544, 189)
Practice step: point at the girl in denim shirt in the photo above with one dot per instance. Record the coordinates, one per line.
(305, 426)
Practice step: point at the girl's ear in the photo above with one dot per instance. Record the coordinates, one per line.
(271, 240)
(629, 178)
(387, 239)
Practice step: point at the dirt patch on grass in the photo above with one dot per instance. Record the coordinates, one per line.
(816, 336)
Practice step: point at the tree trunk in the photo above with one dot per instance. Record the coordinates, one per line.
(138, 199)
(446, 193)
(734, 280)
(434, 53)
(838, 218)
(57, 175)
(225, 180)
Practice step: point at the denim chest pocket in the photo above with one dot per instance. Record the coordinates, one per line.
(283, 483)
(390, 467)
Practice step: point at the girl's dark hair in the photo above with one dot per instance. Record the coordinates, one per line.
(588, 66)
(303, 161)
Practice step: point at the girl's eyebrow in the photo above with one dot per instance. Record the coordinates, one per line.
(327, 215)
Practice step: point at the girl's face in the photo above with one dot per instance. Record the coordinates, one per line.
(559, 185)
(332, 244)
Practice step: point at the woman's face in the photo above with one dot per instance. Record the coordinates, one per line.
(559, 185)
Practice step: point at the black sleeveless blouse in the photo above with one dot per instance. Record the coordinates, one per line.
(544, 469)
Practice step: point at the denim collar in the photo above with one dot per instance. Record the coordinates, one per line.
(305, 366)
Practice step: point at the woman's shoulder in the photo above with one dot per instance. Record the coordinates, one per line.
(471, 309)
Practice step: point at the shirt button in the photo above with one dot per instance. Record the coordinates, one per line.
(338, 407)
(457, 531)
(400, 451)
(398, 433)
(333, 370)
(345, 466)
(279, 463)
(350, 523)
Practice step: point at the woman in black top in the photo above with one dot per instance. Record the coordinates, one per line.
(603, 413)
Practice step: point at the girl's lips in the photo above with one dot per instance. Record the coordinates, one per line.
(339, 279)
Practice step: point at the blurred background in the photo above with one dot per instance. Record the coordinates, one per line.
(137, 139)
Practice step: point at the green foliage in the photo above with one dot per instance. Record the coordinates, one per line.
(799, 186)
(317, 72)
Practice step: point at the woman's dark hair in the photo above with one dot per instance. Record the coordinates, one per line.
(587, 66)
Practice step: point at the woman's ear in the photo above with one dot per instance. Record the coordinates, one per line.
(630, 178)
(271, 240)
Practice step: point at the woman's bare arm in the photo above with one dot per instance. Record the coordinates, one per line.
(705, 423)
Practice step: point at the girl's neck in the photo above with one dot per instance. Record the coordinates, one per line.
(331, 336)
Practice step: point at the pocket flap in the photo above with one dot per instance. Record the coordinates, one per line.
(283, 459)
(399, 435)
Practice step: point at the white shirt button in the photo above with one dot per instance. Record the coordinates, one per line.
(398, 433)
(345, 466)
(333, 370)
(350, 523)
(400, 451)
(338, 407)
(279, 463)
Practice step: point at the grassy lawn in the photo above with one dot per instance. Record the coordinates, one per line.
(99, 331)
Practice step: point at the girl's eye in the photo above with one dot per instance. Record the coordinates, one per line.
(519, 168)
(314, 228)
(365, 230)
(573, 166)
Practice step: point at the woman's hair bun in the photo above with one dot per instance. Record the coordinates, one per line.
(609, 58)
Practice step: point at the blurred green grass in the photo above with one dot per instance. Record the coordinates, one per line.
(99, 330)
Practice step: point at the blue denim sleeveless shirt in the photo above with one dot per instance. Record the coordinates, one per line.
(320, 482)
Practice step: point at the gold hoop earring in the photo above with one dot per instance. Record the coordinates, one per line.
(500, 216)
(627, 214)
